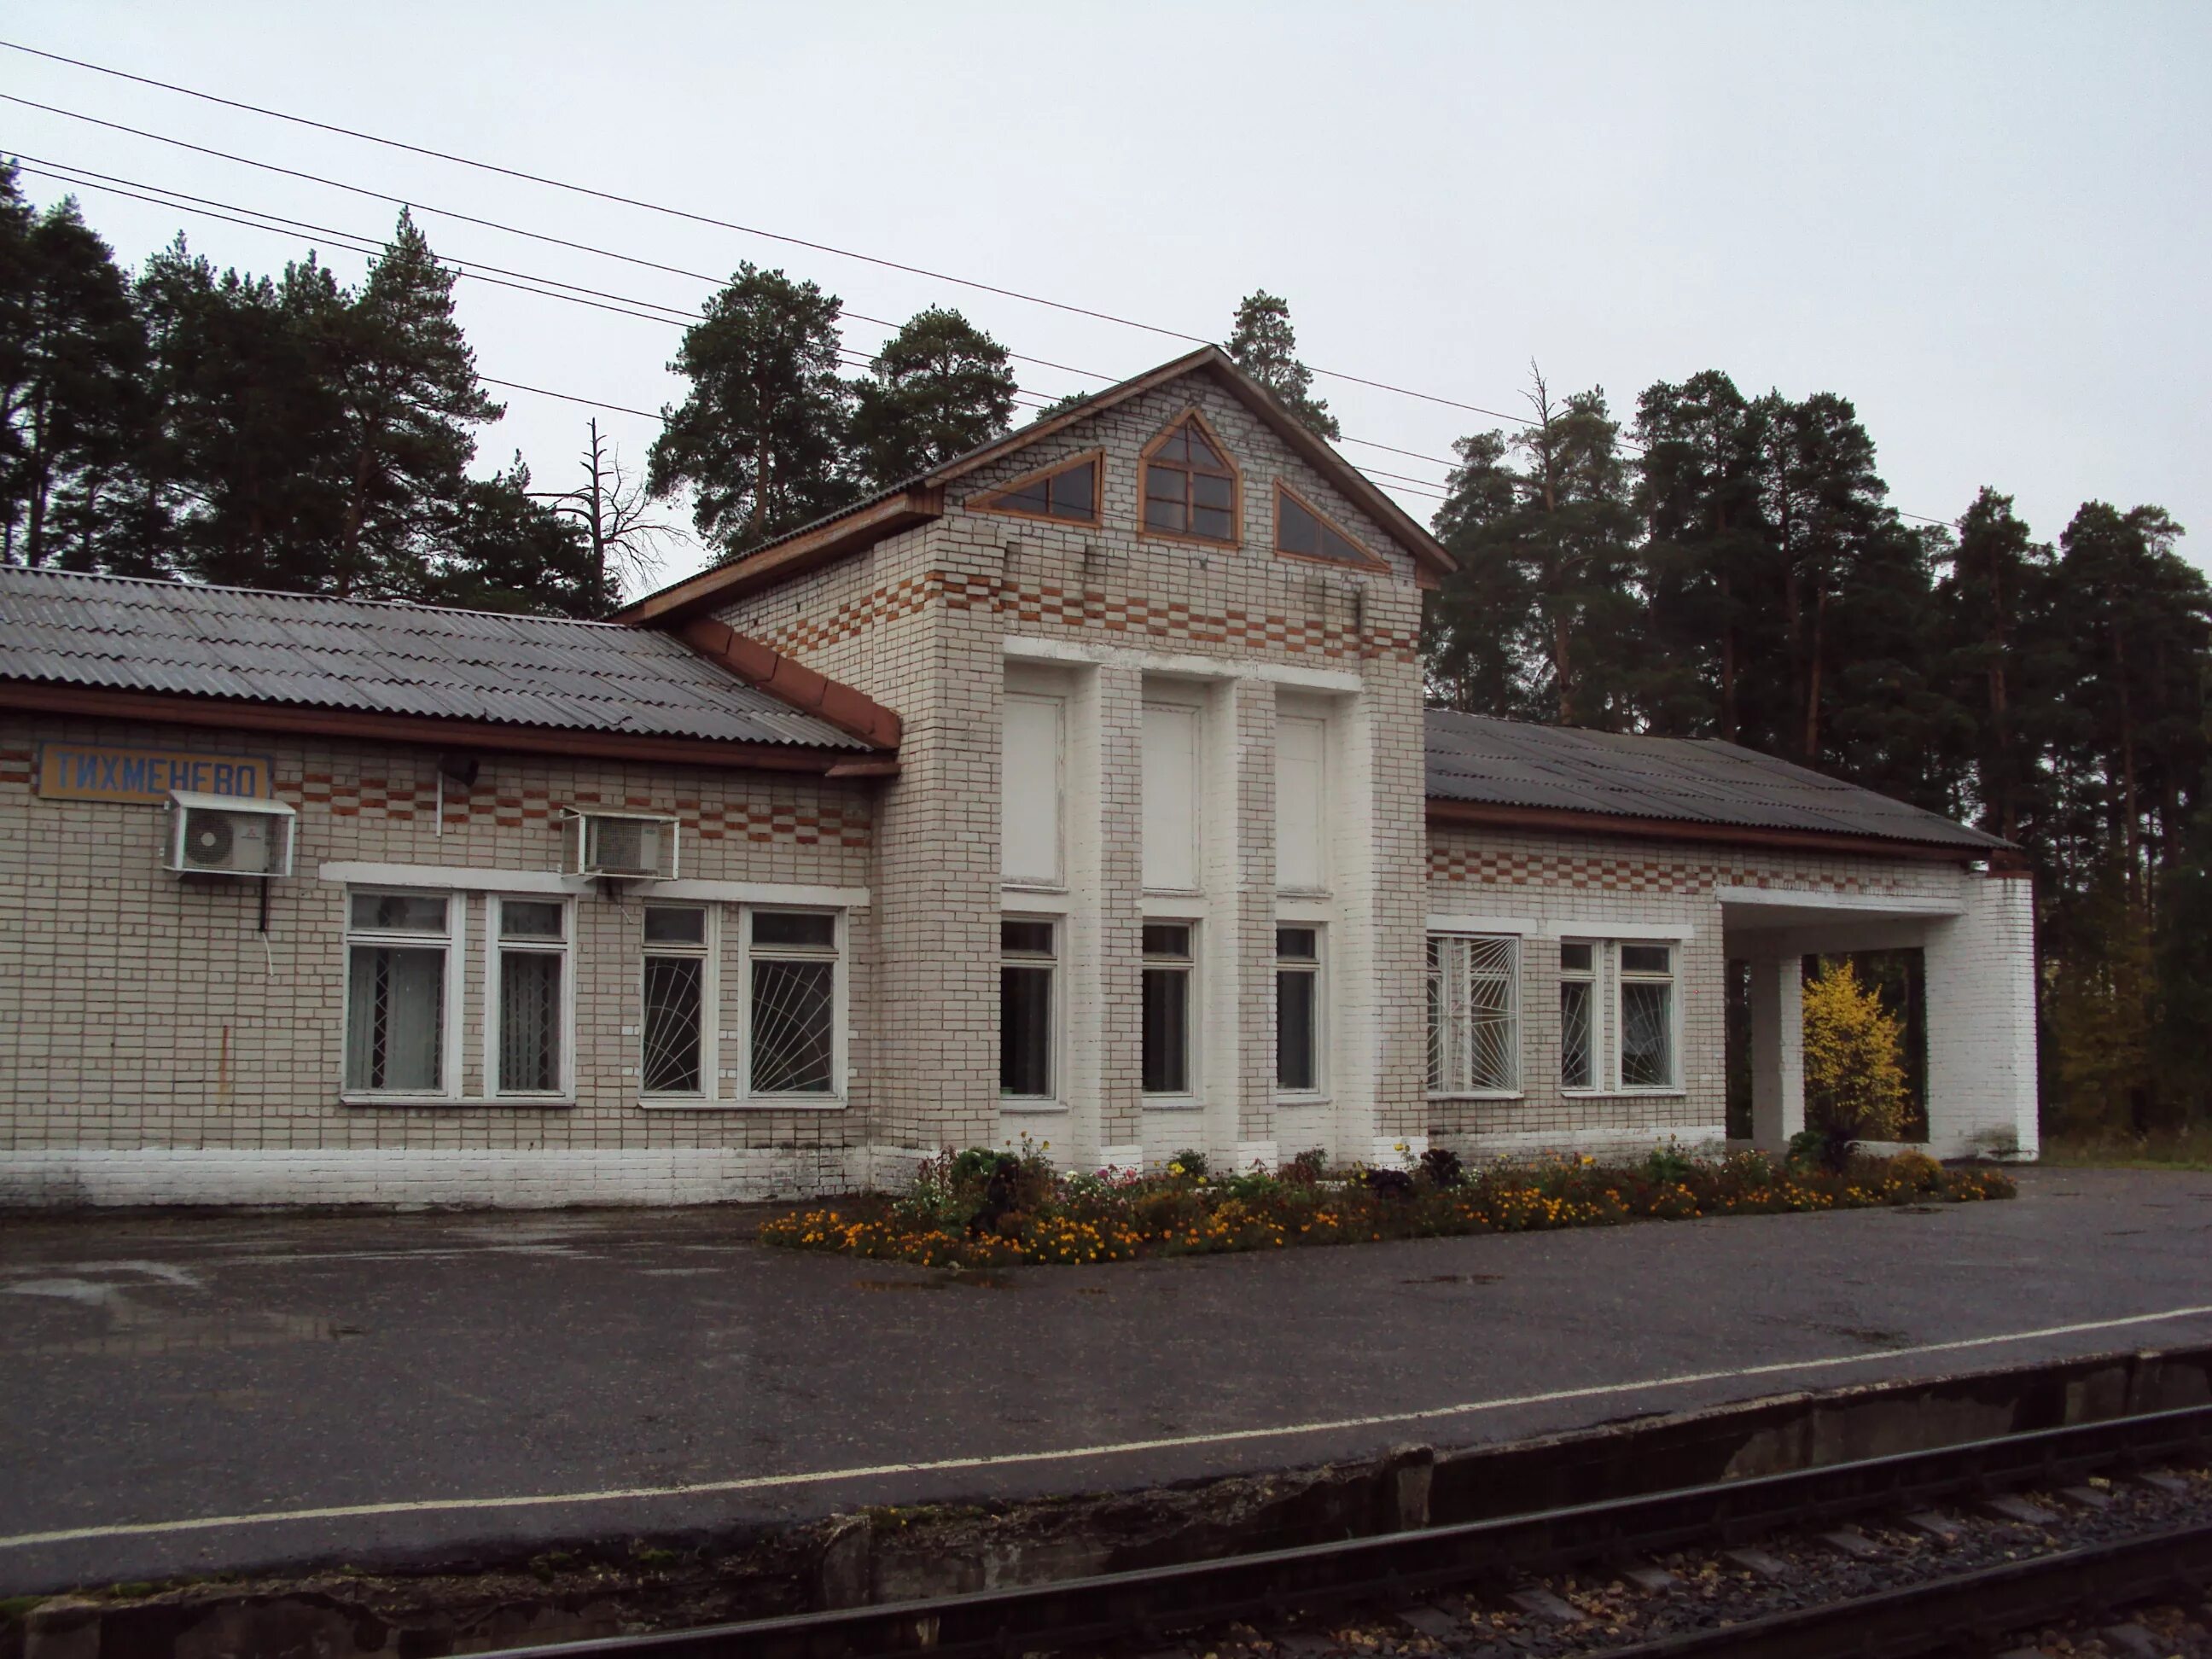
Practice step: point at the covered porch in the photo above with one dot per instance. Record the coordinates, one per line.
(1977, 942)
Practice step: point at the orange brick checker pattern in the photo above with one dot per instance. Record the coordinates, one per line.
(822, 825)
(1112, 613)
(1504, 858)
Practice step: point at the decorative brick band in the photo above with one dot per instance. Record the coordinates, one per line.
(1087, 608)
(824, 825)
(1498, 866)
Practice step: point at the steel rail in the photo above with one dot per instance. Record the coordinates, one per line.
(1276, 1583)
(1968, 1606)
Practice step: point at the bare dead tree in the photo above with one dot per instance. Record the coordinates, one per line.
(615, 511)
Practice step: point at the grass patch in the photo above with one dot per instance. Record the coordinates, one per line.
(2172, 1149)
(985, 1209)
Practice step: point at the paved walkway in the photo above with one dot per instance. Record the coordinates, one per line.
(189, 1394)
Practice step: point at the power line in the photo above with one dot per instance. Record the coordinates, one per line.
(723, 224)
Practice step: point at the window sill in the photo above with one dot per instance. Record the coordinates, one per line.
(1294, 1100)
(495, 1103)
(1482, 1094)
(1173, 1104)
(757, 1104)
(1024, 1106)
(1669, 1093)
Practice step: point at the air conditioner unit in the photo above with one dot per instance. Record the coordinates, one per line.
(224, 835)
(622, 845)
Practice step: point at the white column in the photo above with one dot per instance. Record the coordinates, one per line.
(1778, 1050)
(1981, 1023)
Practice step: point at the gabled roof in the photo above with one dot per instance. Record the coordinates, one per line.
(921, 498)
(442, 671)
(1506, 772)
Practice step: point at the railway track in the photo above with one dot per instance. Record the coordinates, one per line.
(1286, 1587)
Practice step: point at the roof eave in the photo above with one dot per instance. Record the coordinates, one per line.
(861, 528)
(1493, 814)
(424, 730)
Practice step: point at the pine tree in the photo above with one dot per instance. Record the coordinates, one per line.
(1540, 621)
(74, 407)
(760, 437)
(939, 387)
(1263, 345)
(408, 381)
(503, 549)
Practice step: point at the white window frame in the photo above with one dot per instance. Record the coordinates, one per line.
(710, 1006)
(452, 1006)
(495, 948)
(839, 979)
(1192, 966)
(1605, 978)
(1056, 1020)
(1672, 979)
(1317, 969)
(1451, 943)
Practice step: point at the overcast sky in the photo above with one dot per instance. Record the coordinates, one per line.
(1984, 224)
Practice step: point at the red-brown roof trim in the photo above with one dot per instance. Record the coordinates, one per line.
(861, 528)
(816, 693)
(426, 731)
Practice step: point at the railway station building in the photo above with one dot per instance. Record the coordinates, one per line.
(1081, 790)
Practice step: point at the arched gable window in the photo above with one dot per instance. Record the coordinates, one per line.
(1065, 492)
(1303, 534)
(1191, 487)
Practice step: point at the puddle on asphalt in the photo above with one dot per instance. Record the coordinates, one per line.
(1456, 1278)
(135, 1329)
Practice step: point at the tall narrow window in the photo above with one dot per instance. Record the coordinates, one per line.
(1170, 786)
(1301, 805)
(1167, 1013)
(1578, 1012)
(1297, 1009)
(1066, 491)
(792, 1005)
(1190, 488)
(398, 951)
(1026, 966)
(1304, 534)
(1647, 1016)
(673, 1055)
(1032, 736)
(530, 1038)
(1474, 1013)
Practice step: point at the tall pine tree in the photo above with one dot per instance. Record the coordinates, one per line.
(939, 387)
(1264, 345)
(759, 438)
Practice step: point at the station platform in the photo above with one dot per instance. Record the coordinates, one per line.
(193, 1394)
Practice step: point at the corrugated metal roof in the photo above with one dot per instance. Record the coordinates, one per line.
(1472, 757)
(377, 657)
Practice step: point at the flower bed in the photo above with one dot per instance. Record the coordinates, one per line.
(985, 1209)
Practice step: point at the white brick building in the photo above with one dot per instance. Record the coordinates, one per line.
(1079, 790)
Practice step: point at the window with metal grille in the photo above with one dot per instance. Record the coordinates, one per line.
(792, 965)
(529, 997)
(398, 962)
(1474, 1013)
(1578, 1015)
(1165, 1065)
(1298, 1011)
(1647, 1016)
(1190, 487)
(676, 1040)
(1027, 963)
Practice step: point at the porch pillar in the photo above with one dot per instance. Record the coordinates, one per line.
(1778, 1050)
(1981, 1022)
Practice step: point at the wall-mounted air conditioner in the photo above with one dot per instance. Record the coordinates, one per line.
(224, 835)
(627, 846)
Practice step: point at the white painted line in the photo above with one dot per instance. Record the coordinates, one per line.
(1074, 1454)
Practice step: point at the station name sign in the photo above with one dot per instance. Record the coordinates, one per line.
(74, 771)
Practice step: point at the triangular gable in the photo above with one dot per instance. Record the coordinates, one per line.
(922, 498)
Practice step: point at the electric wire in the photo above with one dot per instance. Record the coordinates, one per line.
(749, 230)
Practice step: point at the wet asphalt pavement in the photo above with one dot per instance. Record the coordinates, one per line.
(157, 1372)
